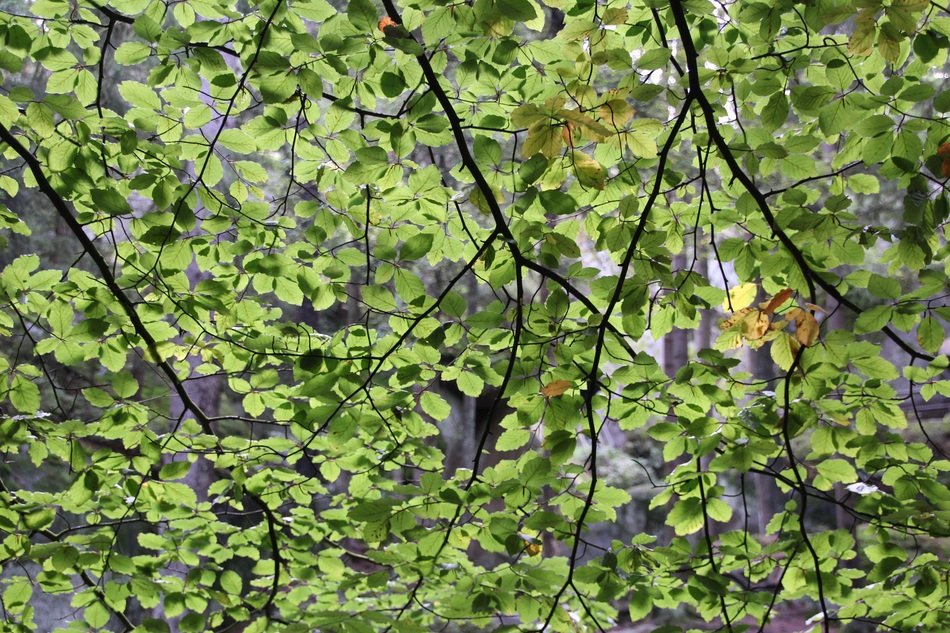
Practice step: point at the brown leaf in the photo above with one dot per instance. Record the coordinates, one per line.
(806, 329)
(944, 150)
(794, 314)
(386, 21)
(556, 388)
(778, 300)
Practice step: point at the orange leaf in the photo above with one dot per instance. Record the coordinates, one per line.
(566, 133)
(556, 388)
(385, 22)
(778, 300)
(944, 150)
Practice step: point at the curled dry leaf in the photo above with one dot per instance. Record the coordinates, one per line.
(555, 388)
(386, 21)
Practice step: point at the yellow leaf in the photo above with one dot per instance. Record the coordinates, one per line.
(735, 319)
(740, 296)
(589, 172)
(543, 138)
(556, 388)
(615, 112)
(862, 39)
(532, 544)
(729, 340)
(755, 325)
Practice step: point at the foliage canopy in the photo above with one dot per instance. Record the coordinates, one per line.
(352, 226)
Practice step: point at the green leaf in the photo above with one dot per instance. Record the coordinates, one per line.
(96, 615)
(174, 470)
(884, 287)
(140, 95)
(132, 53)
(930, 334)
(873, 319)
(775, 112)
(373, 511)
(231, 582)
(435, 405)
(532, 169)
(399, 364)
(517, 10)
(8, 111)
(363, 15)
(416, 246)
(470, 384)
(557, 203)
(110, 201)
(838, 471)
(640, 604)
(24, 394)
(783, 351)
(686, 516)
(392, 84)
(237, 141)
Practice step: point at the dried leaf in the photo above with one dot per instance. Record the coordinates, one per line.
(806, 329)
(755, 325)
(735, 319)
(778, 300)
(556, 388)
